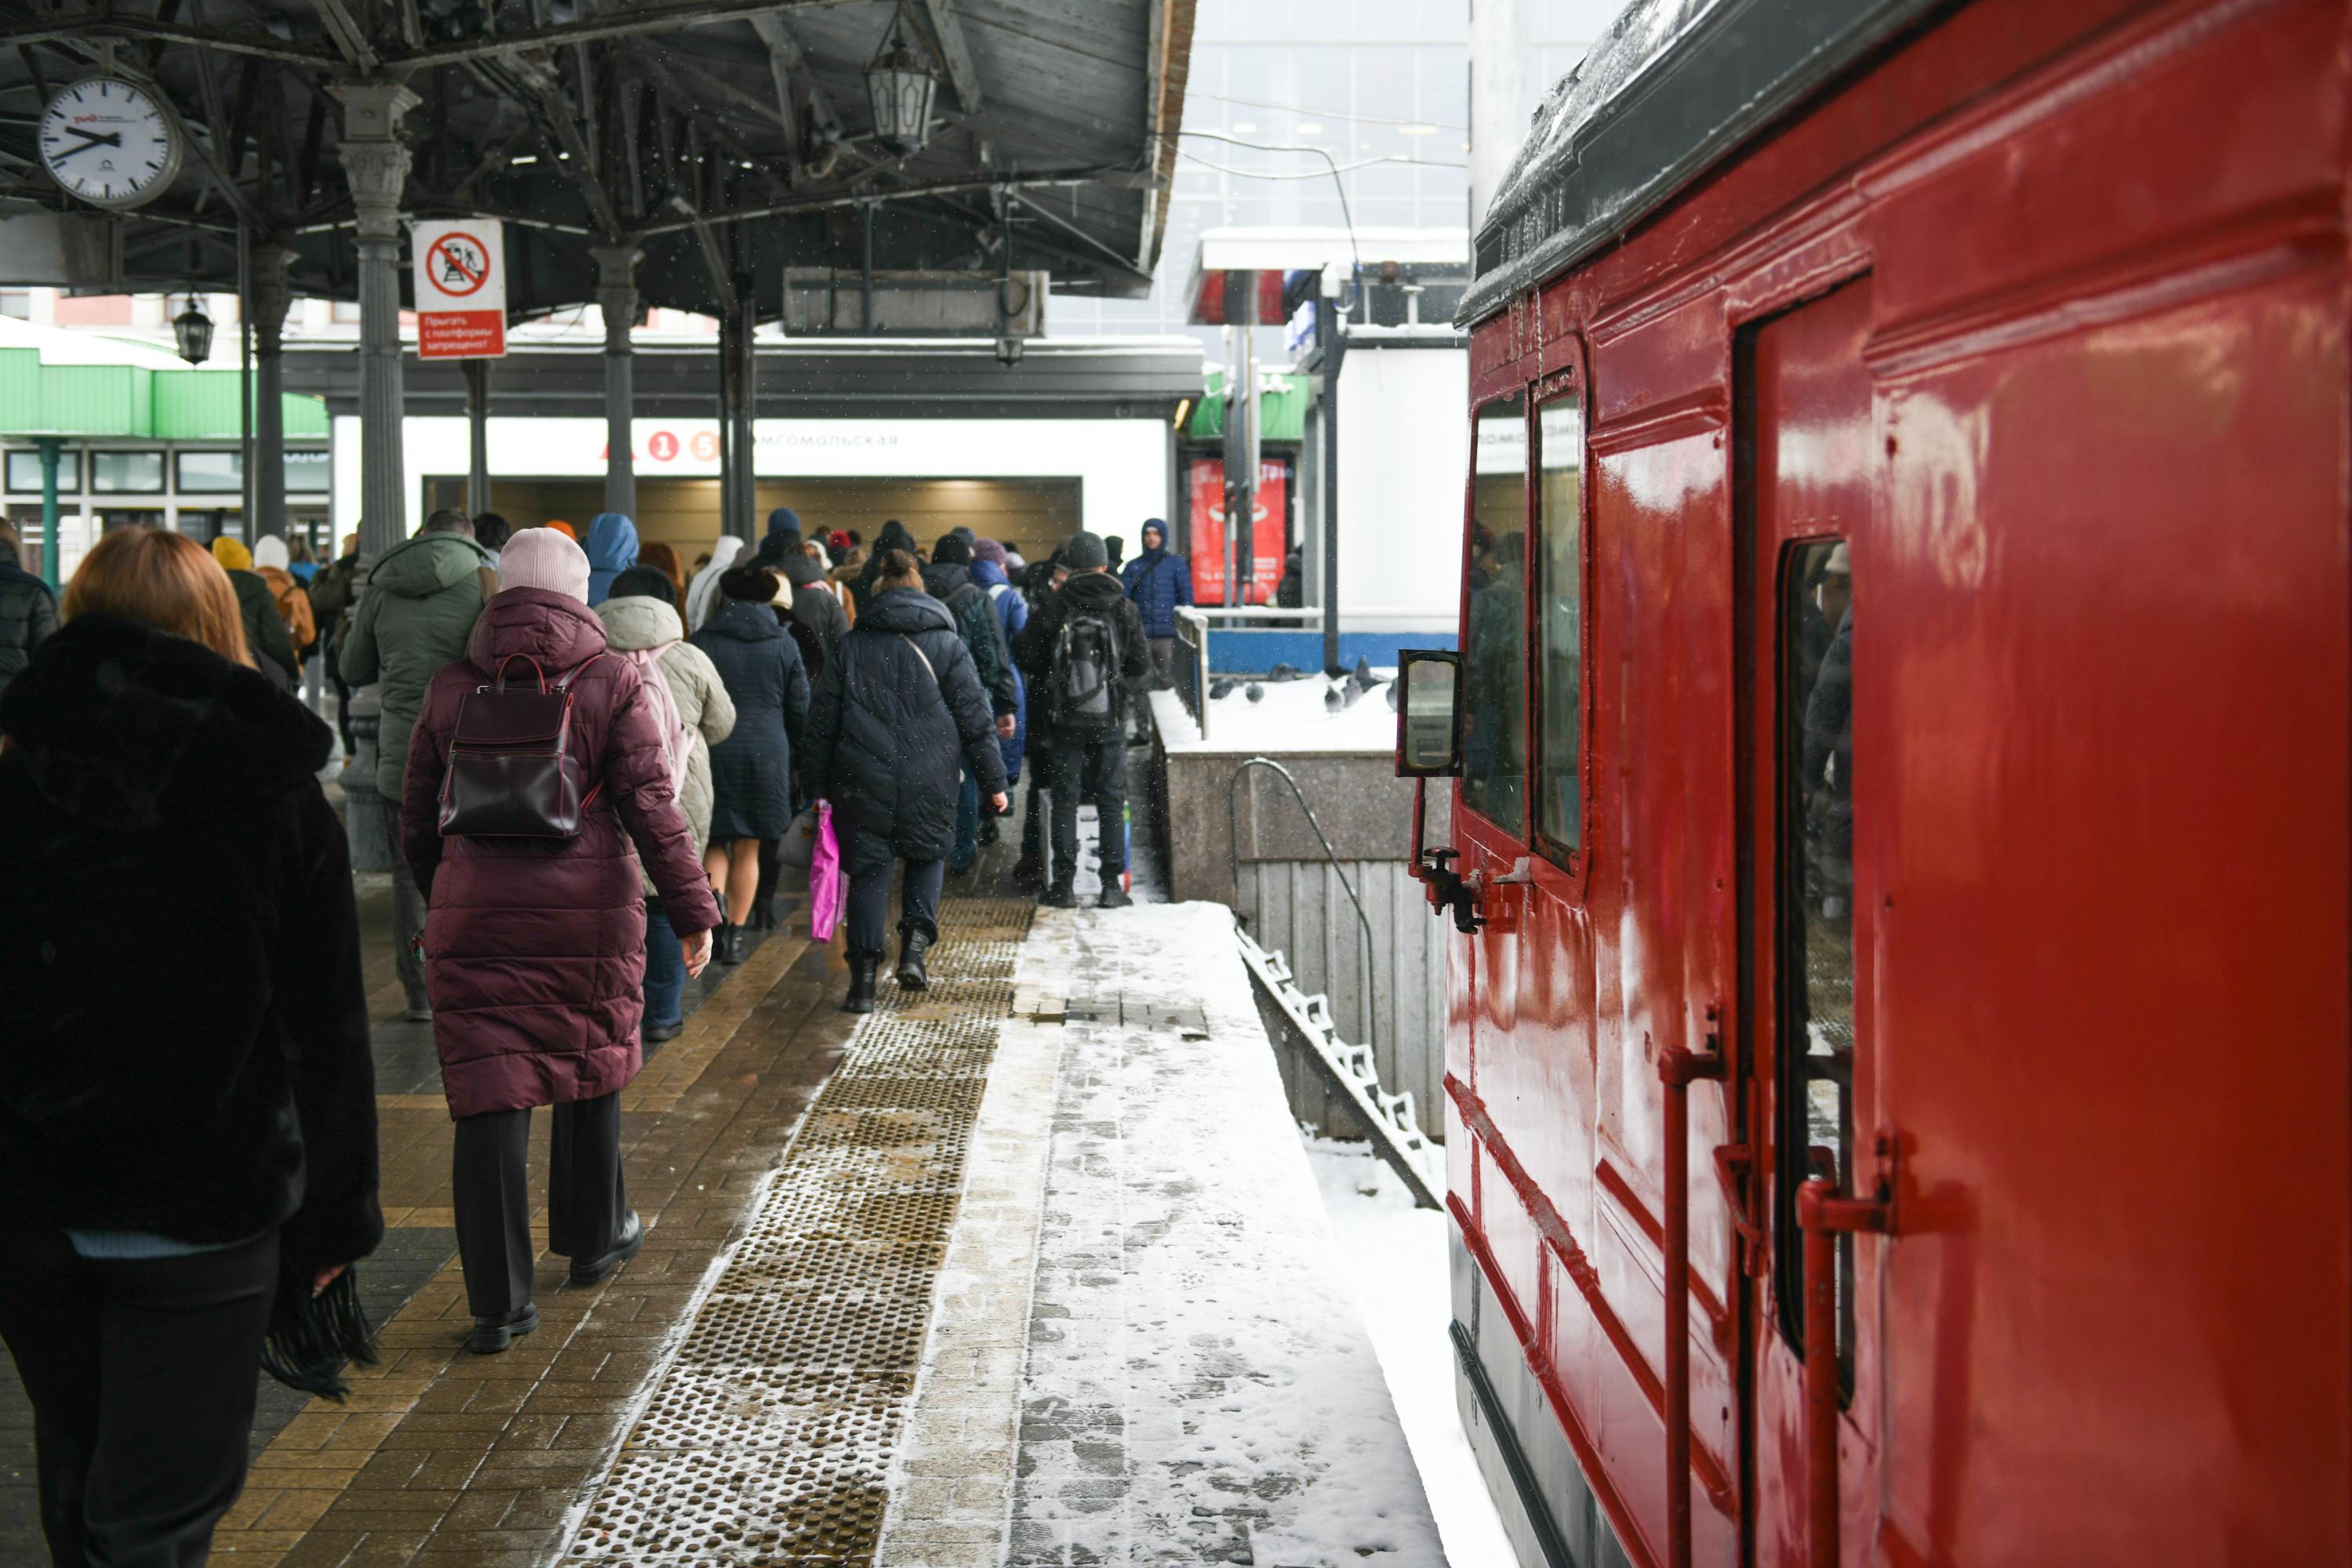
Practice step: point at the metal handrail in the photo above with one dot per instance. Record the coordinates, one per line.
(1234, 847)
(1191, 673)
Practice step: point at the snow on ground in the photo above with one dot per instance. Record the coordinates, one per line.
(1394, 1255)
(1289, 716)
(1198, 1388)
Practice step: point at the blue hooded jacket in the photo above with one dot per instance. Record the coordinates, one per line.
(1158, 581)
(612, 547)
(1011, 614)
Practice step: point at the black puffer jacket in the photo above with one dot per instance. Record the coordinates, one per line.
(894, 536)
(751, 769)
(975, 621)
(888, 732)
(191, 1059)
(28, 612)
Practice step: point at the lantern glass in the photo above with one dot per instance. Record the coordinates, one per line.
(900, 90)
(193, 330)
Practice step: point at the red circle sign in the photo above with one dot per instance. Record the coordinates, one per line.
(662, 444)
(705, 445)
(458, 264)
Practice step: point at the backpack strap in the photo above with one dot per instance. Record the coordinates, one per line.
(926, 663)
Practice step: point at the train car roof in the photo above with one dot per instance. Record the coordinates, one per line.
(1672, 87)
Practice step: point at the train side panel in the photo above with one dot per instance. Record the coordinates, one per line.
(2103, 724)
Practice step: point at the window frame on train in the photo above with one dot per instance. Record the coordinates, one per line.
(1563, 387)
(1476, 791)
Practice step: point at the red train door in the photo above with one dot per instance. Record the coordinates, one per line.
(1807, 516)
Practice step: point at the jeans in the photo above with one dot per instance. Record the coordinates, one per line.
(967, 838)
(665, 968)
(1094, 767)
(1161, 677)
(919, 904)
(587, 1198)
(141, 1374)
(408, 916)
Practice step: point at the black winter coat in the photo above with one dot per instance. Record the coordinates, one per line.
(28, 612)
(894, 536)
(1033, 648)
(814, 608)
(983, 633)
(887, 734)
(751, 769)
(187, 1049)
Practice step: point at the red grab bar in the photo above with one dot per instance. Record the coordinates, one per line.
(1678, 1070)
(1824, 1217)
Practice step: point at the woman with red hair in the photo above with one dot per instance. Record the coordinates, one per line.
(188, 1162)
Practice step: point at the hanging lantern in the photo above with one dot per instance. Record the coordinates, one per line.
(194, 329)
(900, 85)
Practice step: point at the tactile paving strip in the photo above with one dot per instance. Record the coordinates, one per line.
(768, 1439)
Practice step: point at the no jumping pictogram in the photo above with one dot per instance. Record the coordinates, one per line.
(459, 264)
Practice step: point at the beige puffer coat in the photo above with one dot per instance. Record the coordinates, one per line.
(694, 685)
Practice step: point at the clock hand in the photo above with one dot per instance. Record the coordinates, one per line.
(110, 139)
(71, 152)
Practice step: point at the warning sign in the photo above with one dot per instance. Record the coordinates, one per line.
(461, 290)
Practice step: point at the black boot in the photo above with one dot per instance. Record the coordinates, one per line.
(631, 1241)
(1029, 873)
(729, 948)
(1060, 896)
(912, 942)
(863, 969)
(492, 1335)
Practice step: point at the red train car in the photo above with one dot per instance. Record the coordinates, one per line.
(1899, 1064)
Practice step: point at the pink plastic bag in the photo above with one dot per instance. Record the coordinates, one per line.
(828, 889)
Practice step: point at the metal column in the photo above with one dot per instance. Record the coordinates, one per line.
(271, 296)
(1333, 342)
(616, 293)
(377, 165)
(738, 397)
(1242, 442)
(477, 436)
(49, 445)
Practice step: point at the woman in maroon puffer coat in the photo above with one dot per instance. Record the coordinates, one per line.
(535, 949)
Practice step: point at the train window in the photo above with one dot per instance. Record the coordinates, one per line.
(1494, 648)
(1816, 880)
(1560, 624)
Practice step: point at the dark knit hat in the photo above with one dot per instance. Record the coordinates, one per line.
(951, 551)
(988, 550)
(1084, 552)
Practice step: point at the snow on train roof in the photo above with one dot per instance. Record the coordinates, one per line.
(1671, 86)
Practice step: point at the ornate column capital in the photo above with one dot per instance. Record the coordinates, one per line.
(374, 159)
(617, 293)
(273, 294)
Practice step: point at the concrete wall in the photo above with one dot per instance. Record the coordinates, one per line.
(1297, 908)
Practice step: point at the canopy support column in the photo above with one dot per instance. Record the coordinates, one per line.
(49, 445)
(477, 436)
(616, 293)
(376, 163)
(271, 296)
(737, 395)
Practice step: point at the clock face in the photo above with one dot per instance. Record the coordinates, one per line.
(110, 142)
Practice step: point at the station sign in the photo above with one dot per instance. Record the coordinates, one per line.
(461, 289)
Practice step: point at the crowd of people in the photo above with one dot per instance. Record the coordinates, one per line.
(589, 760)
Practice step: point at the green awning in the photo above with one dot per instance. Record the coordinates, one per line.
(132, 401)
(1282, 414)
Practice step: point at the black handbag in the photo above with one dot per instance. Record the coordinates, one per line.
(511, 772)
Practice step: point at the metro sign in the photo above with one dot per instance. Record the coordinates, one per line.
(461, 289)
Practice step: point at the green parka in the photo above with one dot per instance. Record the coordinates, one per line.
(416, 612)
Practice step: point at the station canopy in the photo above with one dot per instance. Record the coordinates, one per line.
(727, 141)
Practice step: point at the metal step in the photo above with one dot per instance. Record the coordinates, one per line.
(1387, 1119)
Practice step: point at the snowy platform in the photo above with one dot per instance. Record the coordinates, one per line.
(1143, 1346)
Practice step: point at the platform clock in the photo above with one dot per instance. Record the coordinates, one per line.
(112, 143)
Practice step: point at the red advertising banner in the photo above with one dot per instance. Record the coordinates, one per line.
(1268, 531)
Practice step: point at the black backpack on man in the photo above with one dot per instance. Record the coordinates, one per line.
(1085, 692)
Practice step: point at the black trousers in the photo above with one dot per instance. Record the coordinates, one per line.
(586, 1196)
(141, 1373)
(919, 904)
(1033, 821)
(1094, 767)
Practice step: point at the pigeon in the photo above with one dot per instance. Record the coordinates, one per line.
(1337, 697)
(1221, 687)
(1256, 692)
(1392, 695)
(1285, 672)
(1363, 679)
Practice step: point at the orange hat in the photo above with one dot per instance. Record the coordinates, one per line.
(564, 529)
